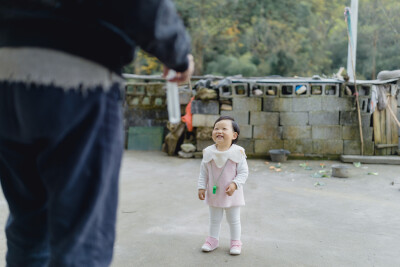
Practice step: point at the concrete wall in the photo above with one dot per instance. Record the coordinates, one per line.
(311, 125)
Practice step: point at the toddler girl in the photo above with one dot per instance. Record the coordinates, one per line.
(223, 172)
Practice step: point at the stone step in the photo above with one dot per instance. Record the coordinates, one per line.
(392, 160)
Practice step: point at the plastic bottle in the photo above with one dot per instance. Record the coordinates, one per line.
(300, 89)
(174, 109)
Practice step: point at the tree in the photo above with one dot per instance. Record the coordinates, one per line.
(288, 37)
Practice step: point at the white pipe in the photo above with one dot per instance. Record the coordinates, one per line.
(354, 22)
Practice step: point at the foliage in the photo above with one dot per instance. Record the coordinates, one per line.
(144, 63)
(288, 37)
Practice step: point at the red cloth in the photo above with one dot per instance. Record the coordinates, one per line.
(188, 116)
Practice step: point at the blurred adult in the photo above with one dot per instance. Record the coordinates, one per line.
(61, 138)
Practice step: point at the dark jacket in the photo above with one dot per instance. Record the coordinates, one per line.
(105, 31)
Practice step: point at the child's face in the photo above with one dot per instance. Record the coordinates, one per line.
(223, 133)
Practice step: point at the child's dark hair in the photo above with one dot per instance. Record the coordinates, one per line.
(235, 126)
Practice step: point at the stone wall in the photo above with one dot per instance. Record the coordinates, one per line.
(145, 105)
(322, 121)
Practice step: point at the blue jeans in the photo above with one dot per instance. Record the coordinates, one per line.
(60, 155)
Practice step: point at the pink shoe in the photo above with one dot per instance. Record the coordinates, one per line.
(236, 247)
(210, 244)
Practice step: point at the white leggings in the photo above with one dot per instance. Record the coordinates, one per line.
(233, 218)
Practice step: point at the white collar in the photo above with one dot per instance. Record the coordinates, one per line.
(234, 153)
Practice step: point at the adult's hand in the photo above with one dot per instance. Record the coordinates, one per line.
(182, 76)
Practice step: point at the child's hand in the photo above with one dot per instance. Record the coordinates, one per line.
(231, 189)
(202, 194)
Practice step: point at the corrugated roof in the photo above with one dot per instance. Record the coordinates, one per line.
(268, 79)
(287, 80)
(375, 81)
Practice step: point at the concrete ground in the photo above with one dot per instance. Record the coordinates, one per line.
(290, 218)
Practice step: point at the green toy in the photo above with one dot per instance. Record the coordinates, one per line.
(215, 182)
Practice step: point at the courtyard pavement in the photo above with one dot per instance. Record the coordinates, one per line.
(290, 217)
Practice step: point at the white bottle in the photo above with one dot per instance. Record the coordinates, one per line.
(300, 89)
(174, 109)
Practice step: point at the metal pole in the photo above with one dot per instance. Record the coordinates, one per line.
(351, 55)
(352, 67)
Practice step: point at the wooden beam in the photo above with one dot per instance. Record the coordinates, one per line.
(381, 146)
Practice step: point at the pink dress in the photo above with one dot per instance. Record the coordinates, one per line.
(235, 170)
(221, 199)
